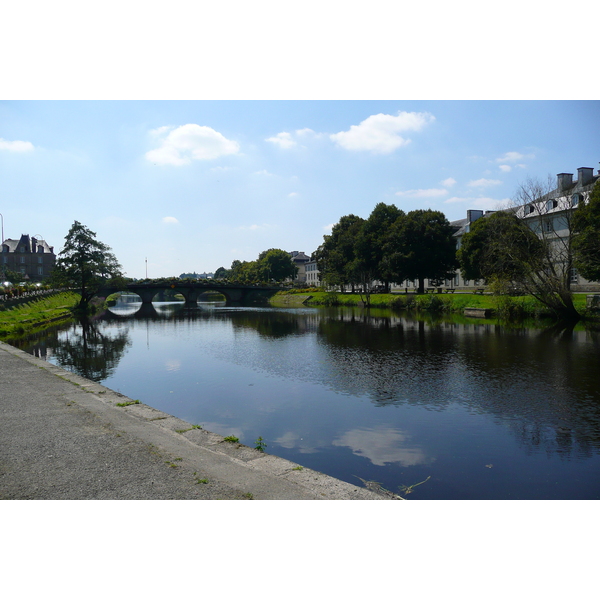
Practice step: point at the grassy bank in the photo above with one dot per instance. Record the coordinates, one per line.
(504, 306)
(36, 314)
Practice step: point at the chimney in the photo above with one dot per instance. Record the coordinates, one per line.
(585, 175)
(565, 181)
(473, 215)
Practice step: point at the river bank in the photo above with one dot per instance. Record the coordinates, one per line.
(67, 437)
(35, 314)
(503, 306)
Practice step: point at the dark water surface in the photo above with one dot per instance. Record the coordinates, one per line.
(482, 410)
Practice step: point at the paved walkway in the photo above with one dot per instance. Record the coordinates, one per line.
(64, 437)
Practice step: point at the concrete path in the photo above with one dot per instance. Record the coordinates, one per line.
(64, 437)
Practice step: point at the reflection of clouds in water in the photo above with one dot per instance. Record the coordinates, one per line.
(173, 365)
(382, 446)
(293, 440)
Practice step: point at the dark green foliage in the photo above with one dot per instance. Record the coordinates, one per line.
(85, 264)
(335, 256)
(499, 246)
(586, 241)
(276, 265)
(419, 246)
(371, 242)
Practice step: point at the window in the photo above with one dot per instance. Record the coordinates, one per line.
(22, 248)
(23, 270)
(573, 276)
(40, 270)
(40, 260)
(22, 260)
(40, 249)
(548, 225)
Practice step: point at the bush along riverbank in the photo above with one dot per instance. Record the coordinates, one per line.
(36, 314)
(502, 306)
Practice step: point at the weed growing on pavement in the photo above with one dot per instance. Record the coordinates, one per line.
(128, 403)
(260, 445)
(232, 439)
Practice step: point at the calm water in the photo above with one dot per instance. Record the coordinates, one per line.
(484, 411)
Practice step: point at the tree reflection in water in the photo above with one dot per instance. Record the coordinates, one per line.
(89, 352)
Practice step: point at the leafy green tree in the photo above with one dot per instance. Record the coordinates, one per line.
(245, 272)
(370, 250)
(221, 273)
(276, 264)
(586, 240)
(85, 264)
(499, 246)
(335, 256)
(420, 245)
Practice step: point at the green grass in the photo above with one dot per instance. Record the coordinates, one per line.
(232, 439)
(23, 319)
(521, 306)
(128, 403)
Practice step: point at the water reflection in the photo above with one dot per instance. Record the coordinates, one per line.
(382, 446)
(368, 394)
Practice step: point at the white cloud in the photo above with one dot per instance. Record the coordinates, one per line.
(380, 133)
(482, 202)
(293, 194)
(306, 131)
(448, 182)
(16, 146)
(190, 142)
(430, 193)
(254, 227)
(484, 182)
(506, 168)
(264, 172)
(283, 140)
(513, 157)
(170, 220)
(328, 228)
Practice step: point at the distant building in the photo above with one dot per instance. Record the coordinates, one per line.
(312, 273)
(30, 257)
(300, 259)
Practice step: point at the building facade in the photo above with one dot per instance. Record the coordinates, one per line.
(300, 260)
(32, 258)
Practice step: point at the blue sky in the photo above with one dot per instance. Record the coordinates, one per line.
(196, 134)
(194, 185)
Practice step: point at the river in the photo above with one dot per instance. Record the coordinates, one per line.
(430, 409)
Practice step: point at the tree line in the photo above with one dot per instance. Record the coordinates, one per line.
(536, 256)
(390, 246)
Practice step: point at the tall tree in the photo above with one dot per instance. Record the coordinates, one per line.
(419, 246)
(370, 244)
(499, 247)
(336, 254)
(85, 263)
(549, 212)
(532, 248)
(586, 241)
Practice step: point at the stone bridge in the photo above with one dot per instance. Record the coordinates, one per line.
(191, 291)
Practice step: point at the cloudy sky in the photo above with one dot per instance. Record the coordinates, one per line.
(194, 185)
(209, 135)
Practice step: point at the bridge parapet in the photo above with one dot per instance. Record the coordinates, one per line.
(234, 293)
